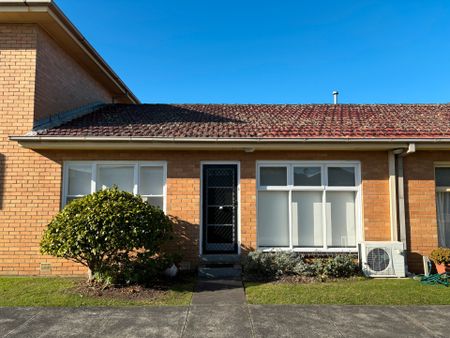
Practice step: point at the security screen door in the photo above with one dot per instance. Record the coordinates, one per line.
(220, 208)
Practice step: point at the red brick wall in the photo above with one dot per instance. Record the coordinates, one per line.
(183, 192)
(61, 83)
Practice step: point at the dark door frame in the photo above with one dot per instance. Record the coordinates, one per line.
(202, 250)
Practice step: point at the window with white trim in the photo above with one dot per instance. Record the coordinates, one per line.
(310, 206)
(442, 178)
(147, 179)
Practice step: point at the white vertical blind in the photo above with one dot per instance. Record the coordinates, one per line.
(307, 218)
(151, 181)
(80, 180)
(273, 219)
(341, 225)
(443, 218)
(119, 175)
(146, 178)
(323, 205)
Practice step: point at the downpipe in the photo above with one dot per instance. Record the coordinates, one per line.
(400, 154)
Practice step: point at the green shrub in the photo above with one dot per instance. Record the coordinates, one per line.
(111, 232)
(441, 255)
(340, 266)
(272, 265)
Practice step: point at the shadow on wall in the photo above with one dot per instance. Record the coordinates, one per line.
(185, 241)
(2, 178)
(245, 250)
(415, 262)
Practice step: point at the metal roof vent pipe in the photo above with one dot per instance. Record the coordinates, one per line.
(335, 96)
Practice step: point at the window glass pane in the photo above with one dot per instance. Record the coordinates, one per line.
(341, 220)
(307, 176)
(443, 177)
(122, 176)
(155, 201)
(443, 218)
(151, 181)
(273, 219)
(80, 179)
(341, 176)
(275, 176)
(307, 218)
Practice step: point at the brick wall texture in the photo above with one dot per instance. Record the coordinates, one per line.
(61, 83)
(30, 183)
(38, 78)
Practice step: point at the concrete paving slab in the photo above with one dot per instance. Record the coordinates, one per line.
(349, 321)
(433, 319)
(228, 320)
(104, 322)
(219, 291)
(11, 318)
(291, 321)
(218, 321)
(375, 321)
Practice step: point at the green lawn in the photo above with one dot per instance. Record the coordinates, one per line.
(357, 292)
(54, 291)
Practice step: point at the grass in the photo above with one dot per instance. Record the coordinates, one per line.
(58, 291)
(356, 292)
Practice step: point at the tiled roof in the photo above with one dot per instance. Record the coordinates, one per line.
(262, 121)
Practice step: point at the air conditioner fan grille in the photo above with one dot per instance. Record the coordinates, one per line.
(378, 259)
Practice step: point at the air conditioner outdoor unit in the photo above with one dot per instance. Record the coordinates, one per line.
(382, 259)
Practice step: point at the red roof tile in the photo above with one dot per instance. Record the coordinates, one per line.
(262, 121)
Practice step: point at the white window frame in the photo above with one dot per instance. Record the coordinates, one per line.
(441, 165)
(290, 188)
(94, 168)
(440, 189)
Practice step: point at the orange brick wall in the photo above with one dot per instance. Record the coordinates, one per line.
(183, 191)
(61, 83)
(29, 182)
(420, 192)
(36, 83)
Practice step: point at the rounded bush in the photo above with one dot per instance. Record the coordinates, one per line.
(105, 228)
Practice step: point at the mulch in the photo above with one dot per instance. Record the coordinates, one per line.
(128, 292)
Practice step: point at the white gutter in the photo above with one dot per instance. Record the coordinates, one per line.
(34, 141)
(37, 138)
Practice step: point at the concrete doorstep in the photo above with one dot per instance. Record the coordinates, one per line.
(219, 309)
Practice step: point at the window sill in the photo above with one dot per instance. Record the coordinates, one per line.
(310, 250)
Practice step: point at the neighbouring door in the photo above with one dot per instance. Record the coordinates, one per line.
(220, 205)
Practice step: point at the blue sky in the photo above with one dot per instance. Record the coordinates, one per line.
(273, 51)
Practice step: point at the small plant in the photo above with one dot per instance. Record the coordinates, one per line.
(113, 233)
(441, 256)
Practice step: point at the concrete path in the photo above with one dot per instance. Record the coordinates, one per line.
(219, 309)
(228, 320)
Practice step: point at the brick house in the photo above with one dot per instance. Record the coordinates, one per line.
(308, 178)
